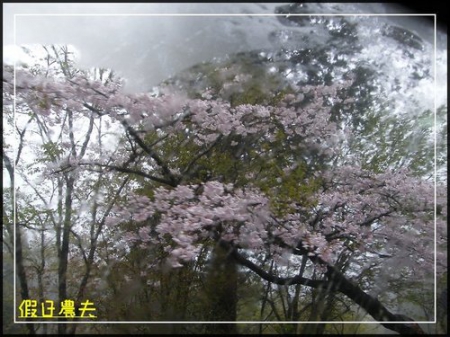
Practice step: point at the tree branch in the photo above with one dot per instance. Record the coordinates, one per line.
(173, 181)
(201, 154)
(265, 275)
(128, 170)
(336, 282)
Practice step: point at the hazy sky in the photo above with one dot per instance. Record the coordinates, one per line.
(148, 49)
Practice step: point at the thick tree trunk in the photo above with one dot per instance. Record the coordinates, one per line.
(221, 291)
(318, 307)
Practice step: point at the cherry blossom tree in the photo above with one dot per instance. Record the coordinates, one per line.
(277, 176)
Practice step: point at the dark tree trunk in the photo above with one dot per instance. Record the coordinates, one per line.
(20, 267)
(63, 257)
(221, 292)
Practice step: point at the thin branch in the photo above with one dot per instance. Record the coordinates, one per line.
(172, 180)
(80, 244)
(88, 136)
(201, 154)
(22, 134)
(71, 136)
(128, 170)
(378, 217)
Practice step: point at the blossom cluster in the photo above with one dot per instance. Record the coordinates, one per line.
(188, 217)
(348, 213)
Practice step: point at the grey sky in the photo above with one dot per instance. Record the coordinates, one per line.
(148, 49)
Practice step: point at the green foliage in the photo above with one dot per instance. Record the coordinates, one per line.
(385, 141)
(259, 86)
(50, 152)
